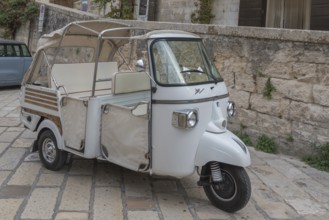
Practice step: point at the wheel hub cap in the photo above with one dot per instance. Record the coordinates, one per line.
(49, 150)
(226, 189)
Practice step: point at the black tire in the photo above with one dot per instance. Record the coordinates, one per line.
(231, 194)
(51, 157)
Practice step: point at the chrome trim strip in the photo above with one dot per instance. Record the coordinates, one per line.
(214, 98)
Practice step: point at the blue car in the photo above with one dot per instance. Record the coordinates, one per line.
(15, 59)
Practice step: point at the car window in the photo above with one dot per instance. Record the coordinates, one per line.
(2, 50)
(25, 51)
(17, 50)
(14, 50)
(10, 51)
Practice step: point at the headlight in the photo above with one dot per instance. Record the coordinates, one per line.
(231, 109)
(192, 119)
(185, 118)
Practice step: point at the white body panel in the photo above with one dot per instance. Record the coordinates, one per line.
(93, 132)
(221, 147)
(74, 115)
(174, 149)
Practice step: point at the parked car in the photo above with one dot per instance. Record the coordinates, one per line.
(15, 59)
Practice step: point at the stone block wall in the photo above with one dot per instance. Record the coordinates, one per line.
(297, 115)
(296, 61)
(174, 11)
(225, 12)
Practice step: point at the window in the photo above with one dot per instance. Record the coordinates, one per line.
(293, 14)
(14, 50)
(17, 50)
(2, 50)
(252, 13)
(10, 51)
(320, 15)
(25, 51)
(182, 62)
(142, 7)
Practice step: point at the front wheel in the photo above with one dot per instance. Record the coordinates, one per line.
(51, 157)
(233, 192)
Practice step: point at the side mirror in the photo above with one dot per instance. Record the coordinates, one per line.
(140, 65)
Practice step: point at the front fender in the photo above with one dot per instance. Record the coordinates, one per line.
(224, 148)
(47, 124)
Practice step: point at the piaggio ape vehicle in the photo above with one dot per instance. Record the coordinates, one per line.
(149, 101)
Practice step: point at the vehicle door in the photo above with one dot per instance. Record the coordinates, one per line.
(125, 121)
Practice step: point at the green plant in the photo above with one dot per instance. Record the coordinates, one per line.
(266, 144)
(242, 126)
(290, 139)
(125, 10)
(14, 13)
(268, 89)
(243, 135)
(102, 3)
(320, 159)
(203, 14)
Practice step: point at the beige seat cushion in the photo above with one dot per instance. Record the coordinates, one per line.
(127, 82)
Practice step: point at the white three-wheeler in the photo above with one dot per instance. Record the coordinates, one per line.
(149, 101)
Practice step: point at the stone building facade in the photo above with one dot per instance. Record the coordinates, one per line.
(296, 62)
(225, 12)
(290, 14)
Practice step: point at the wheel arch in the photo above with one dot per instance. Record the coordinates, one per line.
(47, 124)
(224, 148)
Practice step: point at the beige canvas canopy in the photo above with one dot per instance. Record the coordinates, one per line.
(106, 34)
(83, 33)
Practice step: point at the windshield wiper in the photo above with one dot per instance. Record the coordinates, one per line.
(191, 70)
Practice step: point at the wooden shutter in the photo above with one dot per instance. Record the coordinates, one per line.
(252, 13)
(320, 15)
(152, 10)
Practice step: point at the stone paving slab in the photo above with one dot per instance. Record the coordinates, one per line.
(41, 203)
(282, 187)
(107, 203)
(11, 158)
(76, 194)
(9, 207)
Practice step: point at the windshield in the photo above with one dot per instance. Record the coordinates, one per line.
(182, 62)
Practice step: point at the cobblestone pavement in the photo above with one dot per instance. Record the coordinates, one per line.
(283, 187)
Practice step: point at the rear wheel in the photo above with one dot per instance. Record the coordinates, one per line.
(51, 157)
(233, 192)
